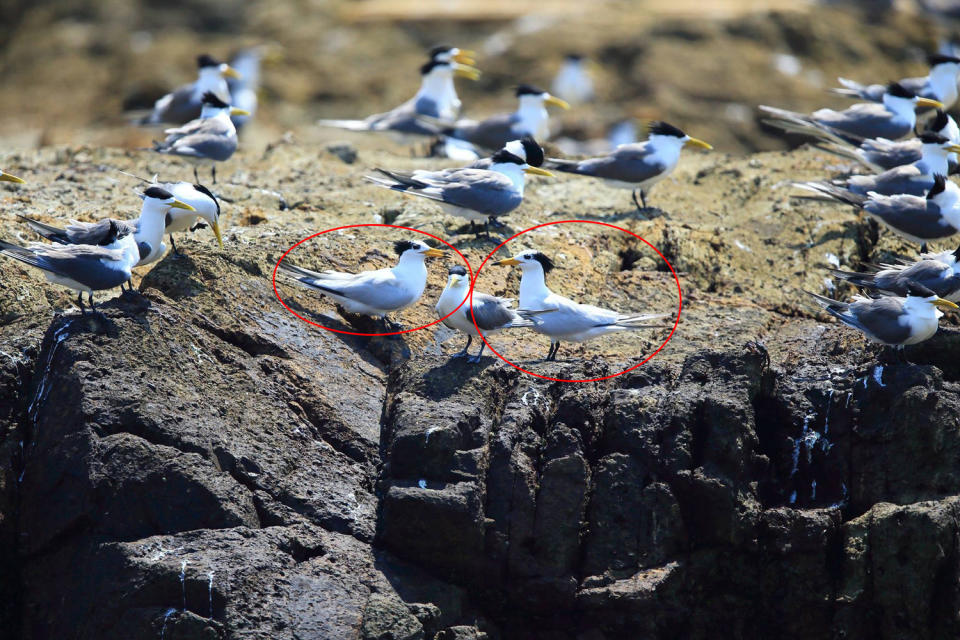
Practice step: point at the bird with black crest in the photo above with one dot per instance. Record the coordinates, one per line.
(186, 102)
(637, 166)
(940, 273)
(211, 138)
(475, 194)
(940, 84)
(372, 293)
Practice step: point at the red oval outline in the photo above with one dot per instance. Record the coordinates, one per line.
(603, 224)
(370, 224)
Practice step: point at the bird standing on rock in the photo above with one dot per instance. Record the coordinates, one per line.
(567, 320)
(636, 166)
(373, 293)
(940, 275)
(186, 103)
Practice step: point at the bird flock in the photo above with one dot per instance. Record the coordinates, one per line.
(903, 135)
(496, 155)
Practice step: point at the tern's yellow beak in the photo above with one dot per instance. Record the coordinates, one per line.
(466, 71)
(537, 171)
(238, 112)
(465, 56)
(954, 148)
(927, 102)
(508, 262)
(216, 231)
(557, 102)
(944, 304)
(434, 253)
(695, 142)
(181, 205)
(6, 177)
(230, 72)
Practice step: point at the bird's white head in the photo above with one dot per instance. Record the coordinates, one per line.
(159, 200)
(531, 97)
(531, 260)
(903, 102)
(446, 53)
(921, 299)
(457, 277)
(415, 250)
(214, 107)
(664, 135)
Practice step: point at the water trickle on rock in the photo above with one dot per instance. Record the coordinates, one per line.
(183, 583)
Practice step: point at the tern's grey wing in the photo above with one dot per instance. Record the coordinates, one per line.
(96, 233)
(900, 180)
(213, 140)
(491, 312)
(379, 290)
(425, 106)
(917, 86)
(630, 163)
(891, 153)
(911, 216)
(88, 265)
(867, 120)
(929, 273)
(182, 106)
(879, 318)
(487, 192)
(492, 133)
(403, 119)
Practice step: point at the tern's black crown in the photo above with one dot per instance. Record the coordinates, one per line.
(157, 192)
(544, 261)
(660, 128)
(897, 90)
(932, 137)
(533, 151)
(206, 60)
(939, 186)
(211, 99)
(405, 245)
(457, 270)
(939, 122)
(528, 90)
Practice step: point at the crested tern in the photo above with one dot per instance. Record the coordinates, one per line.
(211, 138)
(940, 84)
(893, 119)
(912, 179)
(147, 230)
(879, 154)
(474, 194)
(916, 218)
(373, 293)
(530, 119)
(243, 86)
(568, 320)
(186, 103)
(436, 99)
(891, 320)
(492, 313)
(636, 166)
(939, 276)
(6, 177)
(83, 267)
(572, 82)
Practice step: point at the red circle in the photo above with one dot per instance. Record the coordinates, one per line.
(604, 224)
(369, 224)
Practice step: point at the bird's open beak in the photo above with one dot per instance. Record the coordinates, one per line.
(230, 72)
(181, 205)
(954, 148)
(508, 262)
(466, 71)
(465, 56)
(557, 102)
(927, 102)
(216, 231)
(537, 171)
(6, 177)
(434, 253)
(695, 142)
(238, 112)
(944, 304)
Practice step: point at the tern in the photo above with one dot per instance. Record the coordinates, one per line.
(83, 267)
(186, 103)
(474, 194)
(895, 118)
(567, 320)
(147, 230)
(891, 320)
(913, 179)
(530, 119)
(6, 177)
(572, 82)
(937, 275)
(437, 99)
(211, 138)
(636, 166)
(940, 84)
(915, 218)
(879, 154)
(244, 84)
(373, 293)
(491, 313)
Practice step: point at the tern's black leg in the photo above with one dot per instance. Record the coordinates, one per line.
(643, 198)
(213, 173)
(496, 223)
(923, 248)
(80, 302)
(555, 349)
(196, 178)
(473, 227)
(476, 358)
(173, 243)
(635, 201)
(93, 305)
(460, 354)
